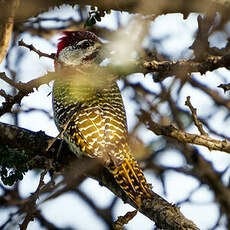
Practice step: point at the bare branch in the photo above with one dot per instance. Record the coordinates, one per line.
(24, 89)
(225, 87)
(122, 220)
(60, 135)
(200, 45)
(165, 215)
(4, 94)
(171, 131)
(40, 54)
(30, 206)
(6, 26)
(194, 115)
(18, 86)
(186, 67)
(33, 7)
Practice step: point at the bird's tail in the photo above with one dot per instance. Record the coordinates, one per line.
(131, 179)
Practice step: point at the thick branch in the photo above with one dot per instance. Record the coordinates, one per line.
(186, 67)
(6, 26)
(32, 8)
(165, 215)
(165, 68)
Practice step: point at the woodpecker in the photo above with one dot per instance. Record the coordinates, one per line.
(91, 109)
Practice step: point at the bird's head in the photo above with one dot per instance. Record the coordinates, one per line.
(79, 47)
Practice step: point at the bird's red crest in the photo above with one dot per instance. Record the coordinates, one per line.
(71, 37)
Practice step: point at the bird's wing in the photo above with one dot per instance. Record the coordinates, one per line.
(86, 129)
(102, 135)
(99, 133)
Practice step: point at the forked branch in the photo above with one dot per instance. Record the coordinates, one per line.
(164, 214)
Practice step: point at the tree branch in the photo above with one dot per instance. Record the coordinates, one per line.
(32, 8)
(6, 26)
(165, 215)
(32, 48)
(186, 67)
(194, 115)
(24, 90)
(225, 87)
(171, 131)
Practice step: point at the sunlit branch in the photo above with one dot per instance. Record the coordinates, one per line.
(6, 26)
(171, 131)
(194, 116)
(186, 67)
(40, 54)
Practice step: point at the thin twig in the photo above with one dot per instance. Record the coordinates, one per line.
(60, 135)
(194, 116)
(5, 95)
(30, 206)
(122, 220)
(40, 54)
(24, 89)
(225, 87)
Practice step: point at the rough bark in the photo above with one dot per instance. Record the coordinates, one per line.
(32, 8)
(164, 214)
(6, 25)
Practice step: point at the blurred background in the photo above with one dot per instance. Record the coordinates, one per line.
(166, 164)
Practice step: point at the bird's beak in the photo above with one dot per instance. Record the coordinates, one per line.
(98, 44)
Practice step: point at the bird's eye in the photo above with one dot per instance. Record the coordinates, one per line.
(85, 45)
